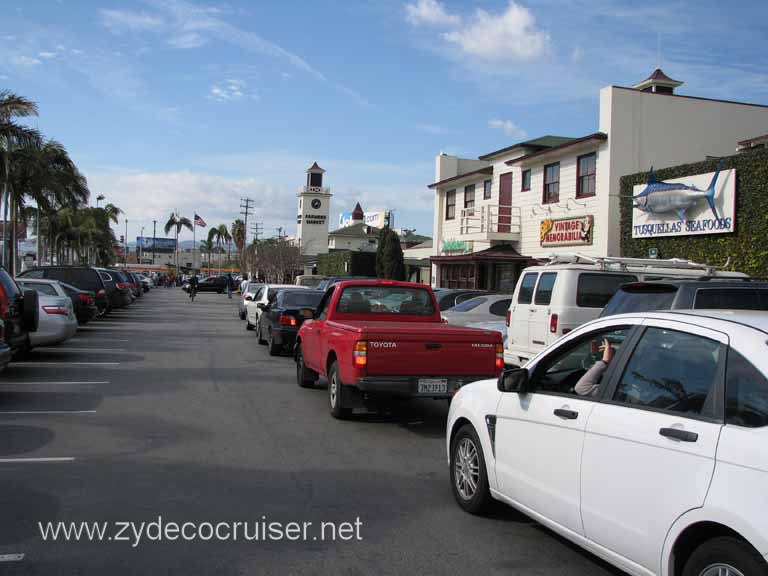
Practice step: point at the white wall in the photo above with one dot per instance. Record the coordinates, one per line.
(313, 237)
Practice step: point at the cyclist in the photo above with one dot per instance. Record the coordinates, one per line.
(193, 286)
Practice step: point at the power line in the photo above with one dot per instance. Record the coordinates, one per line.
(257, 228)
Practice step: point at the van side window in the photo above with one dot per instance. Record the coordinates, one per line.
(746, 393)
(545, 287)
(527, 284)
(594, 290)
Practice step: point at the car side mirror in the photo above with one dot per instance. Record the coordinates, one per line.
(261, 306)
(249, 298)
(514, 380)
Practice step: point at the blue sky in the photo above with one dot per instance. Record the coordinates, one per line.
(169, 104)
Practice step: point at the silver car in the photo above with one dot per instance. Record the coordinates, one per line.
(57, 317)
(485, 308)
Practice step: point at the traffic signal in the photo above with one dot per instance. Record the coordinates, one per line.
(122, 239)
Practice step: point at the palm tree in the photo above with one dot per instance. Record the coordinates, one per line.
(206, 247)
(220, 234)
(176, 222)
(238, 236)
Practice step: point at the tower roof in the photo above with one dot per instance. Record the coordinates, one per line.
(315, 168)
(657, 78)
(357, 213)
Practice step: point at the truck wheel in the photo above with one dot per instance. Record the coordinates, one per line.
(274, 349)
(725, 555)
(305, 377)
(337, 394)
(469, 479)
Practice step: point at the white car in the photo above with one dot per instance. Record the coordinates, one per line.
(264, 295)
(248, 292)
(57, 321)
(663, 471)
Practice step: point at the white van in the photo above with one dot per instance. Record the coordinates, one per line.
(552, 299)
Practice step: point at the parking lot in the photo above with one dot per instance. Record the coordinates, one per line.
(171, 409)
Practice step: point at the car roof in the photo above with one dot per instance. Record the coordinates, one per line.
(699, 283)
(707, 318)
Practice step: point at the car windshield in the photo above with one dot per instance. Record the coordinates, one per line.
(468, 305)
(385, 300)
(302, 299)
(641, 298)
(41, 288)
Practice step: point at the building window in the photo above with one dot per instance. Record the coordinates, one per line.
(585, 177)
(551, 183)
(487, 190)
(450, 205)
(526, 180)
(457, 276)
(469, 200)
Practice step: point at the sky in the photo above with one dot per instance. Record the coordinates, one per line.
(177, 105)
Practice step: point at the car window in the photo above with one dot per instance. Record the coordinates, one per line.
(500, 307)
(745, 298)
(561, 371)
(545, 288)
(375, 300)
(322, 308)
(641, 298)
(595, 290)
(468, 305)
(43, 289)
(106, 276)
(525, 295)
(671, 370)
(466, 296)
(746, 391)
(34, 274)
(302, 299)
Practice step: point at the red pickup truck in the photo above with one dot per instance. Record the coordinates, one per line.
(374, 338)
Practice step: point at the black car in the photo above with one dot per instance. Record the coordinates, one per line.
(19, 314)
(135, 284)
(210, 284)
(717, 293)
(447, 298)
(83, 303)
(117, 288)
(123, 284)
(283, 315)
(82, 277)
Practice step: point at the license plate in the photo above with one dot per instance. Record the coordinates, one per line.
(433, 385)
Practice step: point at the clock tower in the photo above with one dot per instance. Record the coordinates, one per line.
(313, 216)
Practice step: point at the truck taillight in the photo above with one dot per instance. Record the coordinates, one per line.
(553, 323)
(508, 318)
(286, 320)
(360, 354)
(499, 356)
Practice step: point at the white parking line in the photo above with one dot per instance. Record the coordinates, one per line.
(11, 557)
(101, 339)
(35, 460)
(56, 383)
(40, 364)
(46, 412)
(68, 349)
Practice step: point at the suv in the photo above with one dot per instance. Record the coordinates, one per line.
(741, 294)
(660, 469)
(552, 299)
(82, 277)
(18, 312)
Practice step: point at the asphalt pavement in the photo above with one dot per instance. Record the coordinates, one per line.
(170, 413)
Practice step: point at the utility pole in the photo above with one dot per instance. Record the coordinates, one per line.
(125, 245)
(154, 236)
(257, 228)
(279, 232)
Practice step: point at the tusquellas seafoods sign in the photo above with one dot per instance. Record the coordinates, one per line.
(688, 206)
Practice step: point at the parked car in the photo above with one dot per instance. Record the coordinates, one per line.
(57, 318)
(117, 297)
(19, 313)
(263, 296)
(123, 285)
(487, 308)
(330, 281)
(499, 326)
(248, 292)
(553, 299)
(309, 280)
(737, 294)
(662, 470)
(135, 284)
(282, 317)
(209, 284)
(82, 277)
(83, 302)
(146, 281)
(385, 338)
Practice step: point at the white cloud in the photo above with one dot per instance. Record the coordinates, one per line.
(119, 21)
(187, 40)
(229, 90)
(46, 55)
(508, 127)
(26, 61)
(430, 12)
(510, 36)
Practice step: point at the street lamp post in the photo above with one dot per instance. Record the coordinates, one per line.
(141, 246)
(154, 239)
(125, 245)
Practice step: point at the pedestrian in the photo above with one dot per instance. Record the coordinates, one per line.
(230, 286)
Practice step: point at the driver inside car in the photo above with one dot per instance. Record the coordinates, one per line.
(589, 383)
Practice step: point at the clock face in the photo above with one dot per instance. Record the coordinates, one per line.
(316, 203)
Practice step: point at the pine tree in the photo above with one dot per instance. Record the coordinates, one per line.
(389, 256)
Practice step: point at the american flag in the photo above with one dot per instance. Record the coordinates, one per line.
(199, 221)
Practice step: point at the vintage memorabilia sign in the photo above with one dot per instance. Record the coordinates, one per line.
(701, 204)
(567, 231)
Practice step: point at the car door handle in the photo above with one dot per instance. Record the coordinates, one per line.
(678, 434)
(567, 414)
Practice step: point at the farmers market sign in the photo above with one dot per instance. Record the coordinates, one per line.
(693, 205)
(567, 231)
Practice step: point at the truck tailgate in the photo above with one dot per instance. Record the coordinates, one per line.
(429, 349)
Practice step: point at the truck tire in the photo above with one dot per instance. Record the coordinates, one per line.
(729, 555)
(337, 394)
(469, 476)
(305, 377)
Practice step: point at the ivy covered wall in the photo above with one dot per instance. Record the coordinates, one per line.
(747, 246)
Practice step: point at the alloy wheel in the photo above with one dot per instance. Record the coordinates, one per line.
(720, 569)
(333, 390)
(466, 469)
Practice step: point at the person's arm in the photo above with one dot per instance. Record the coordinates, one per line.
(590, 381)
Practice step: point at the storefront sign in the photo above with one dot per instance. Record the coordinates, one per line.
(374, 219)
(156, 244)
(312, 219)
(455, 247)
(567, 232)
(701, 204)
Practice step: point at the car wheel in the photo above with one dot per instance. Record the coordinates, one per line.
(274, 349)
(469, 478)
(725, 556)
(242, 314)
(337, 395)
(258, 333)
(248, 325)
(305, 377)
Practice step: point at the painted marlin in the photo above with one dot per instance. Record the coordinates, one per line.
(661, 197)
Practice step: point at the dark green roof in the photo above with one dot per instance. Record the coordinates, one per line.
(359, 229)
(540, 143)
